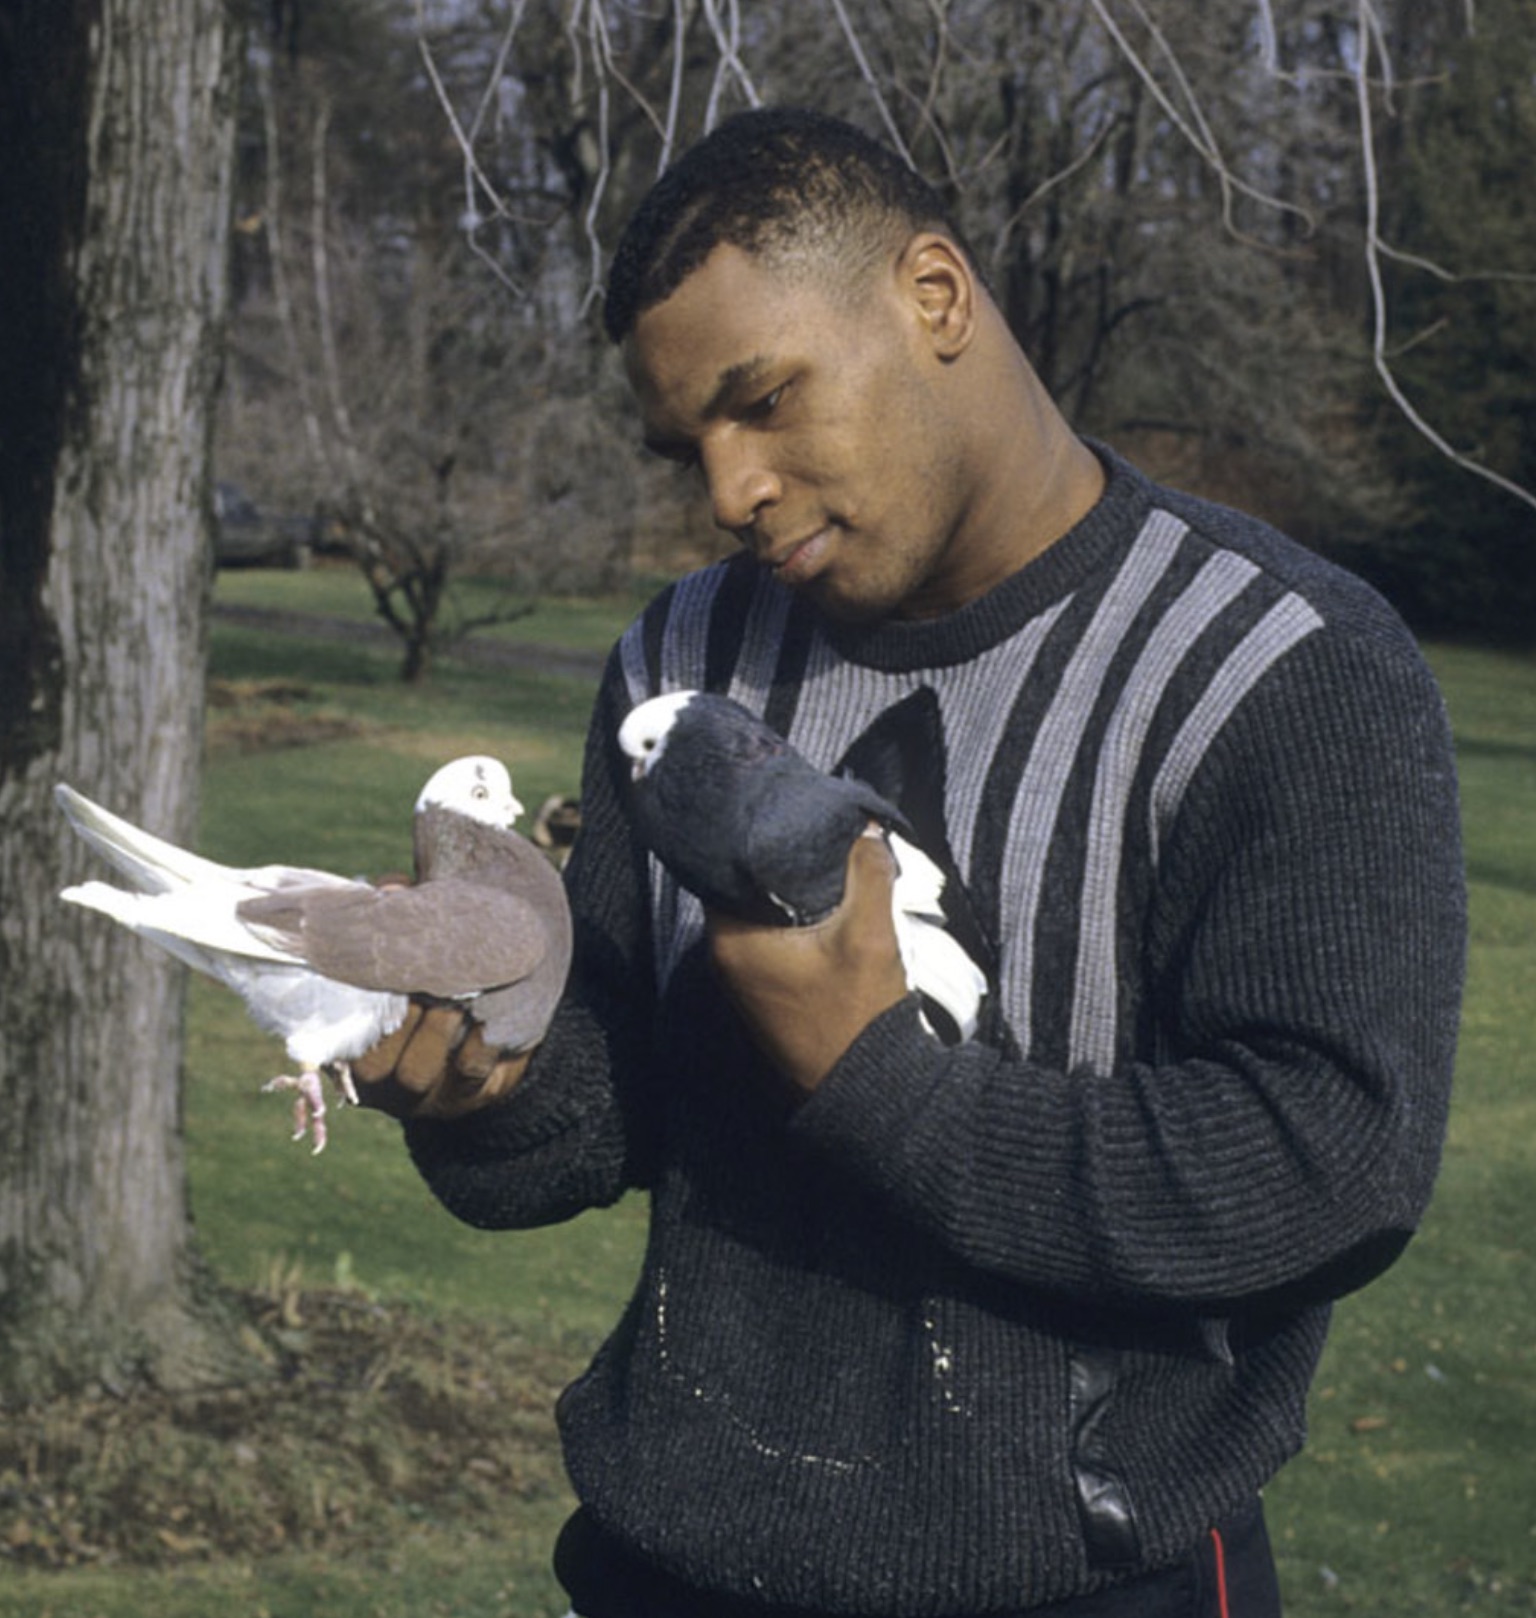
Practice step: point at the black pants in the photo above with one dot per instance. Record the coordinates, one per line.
(1229, 1574)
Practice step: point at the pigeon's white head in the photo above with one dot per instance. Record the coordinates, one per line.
(478, 787)
(643, 735)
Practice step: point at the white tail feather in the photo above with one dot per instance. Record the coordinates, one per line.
(150, 863)
(205, 920)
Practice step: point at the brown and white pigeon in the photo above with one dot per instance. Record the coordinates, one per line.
(329, 963)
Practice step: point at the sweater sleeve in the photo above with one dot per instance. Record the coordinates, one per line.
(574, 1133)
(1272, 1138)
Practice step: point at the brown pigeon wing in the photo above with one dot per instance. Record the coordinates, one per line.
(445, 938)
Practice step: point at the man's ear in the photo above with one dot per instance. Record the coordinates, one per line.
(937, 278)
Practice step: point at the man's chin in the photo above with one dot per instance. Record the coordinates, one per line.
(843, 609)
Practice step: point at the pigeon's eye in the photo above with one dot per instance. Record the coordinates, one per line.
(480, 793)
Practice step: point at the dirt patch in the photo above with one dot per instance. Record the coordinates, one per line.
(253, 716)
(373, 1420)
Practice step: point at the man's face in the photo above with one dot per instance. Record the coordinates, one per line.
(819, 427)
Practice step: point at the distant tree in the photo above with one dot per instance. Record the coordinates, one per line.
(400, 388)
(116, 122)
(1457, 158)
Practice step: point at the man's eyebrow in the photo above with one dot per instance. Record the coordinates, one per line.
(732, 381)
(735, 379)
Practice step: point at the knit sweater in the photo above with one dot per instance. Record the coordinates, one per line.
(982, 1326)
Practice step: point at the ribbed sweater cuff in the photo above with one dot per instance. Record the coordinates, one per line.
(863, 1109)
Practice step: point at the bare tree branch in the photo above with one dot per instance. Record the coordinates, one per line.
(477, 184)
(1195, 128)
(855, 46)
(675, 97)
(1373, 256)
(727, 37)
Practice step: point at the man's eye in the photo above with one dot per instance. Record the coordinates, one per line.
(764, 407)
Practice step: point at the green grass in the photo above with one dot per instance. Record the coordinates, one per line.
(337, 589)
(1414, 1496)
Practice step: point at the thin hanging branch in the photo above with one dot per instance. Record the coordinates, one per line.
(478, 185)
(727, 36)
(1373, 257)
(1196, 133)
(856, 47)
(675, 95)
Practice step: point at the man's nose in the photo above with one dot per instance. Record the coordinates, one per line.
(740, 484)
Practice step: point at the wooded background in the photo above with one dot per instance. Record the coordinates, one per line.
(1238, 239)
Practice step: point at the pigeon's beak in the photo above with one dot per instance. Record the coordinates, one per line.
(514, 808)
(637, 769)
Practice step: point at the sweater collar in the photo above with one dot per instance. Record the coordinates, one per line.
(897, 644)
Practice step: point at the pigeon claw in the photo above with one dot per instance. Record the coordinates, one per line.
(309, 1109)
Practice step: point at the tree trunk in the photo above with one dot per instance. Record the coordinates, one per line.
(116, 120)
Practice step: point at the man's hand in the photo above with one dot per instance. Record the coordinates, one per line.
(434, 1065)
(808, 992)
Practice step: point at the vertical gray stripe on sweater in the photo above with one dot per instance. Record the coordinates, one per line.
(632, 661)
(677, 917)
(1037, 799)
(974, 722)
(685, 640)
(761, 639)
(1289, 621)
(848, 698)
(838, 701)
(1093, 1032)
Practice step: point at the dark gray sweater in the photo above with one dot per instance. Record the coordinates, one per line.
(980, 1327)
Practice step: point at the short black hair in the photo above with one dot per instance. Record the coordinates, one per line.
(782, 183)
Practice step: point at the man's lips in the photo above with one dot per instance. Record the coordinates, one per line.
(796, 564)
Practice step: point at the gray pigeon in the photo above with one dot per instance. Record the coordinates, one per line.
(329, 963)
(752, 828)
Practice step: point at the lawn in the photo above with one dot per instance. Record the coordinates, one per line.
(1414, 1496)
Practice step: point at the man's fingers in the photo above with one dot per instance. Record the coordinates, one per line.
(428, 1054)
(871, 872)
(436, 1064)
(379, 1061)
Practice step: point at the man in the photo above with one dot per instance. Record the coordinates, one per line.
(1024, 1323)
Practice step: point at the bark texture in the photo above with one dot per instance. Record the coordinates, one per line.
(114, 200)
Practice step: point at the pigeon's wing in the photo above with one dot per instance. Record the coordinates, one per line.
(798, 834)
(940, 970)
(447, 938)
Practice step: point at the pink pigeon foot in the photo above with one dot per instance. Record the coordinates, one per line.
(309, 1109)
